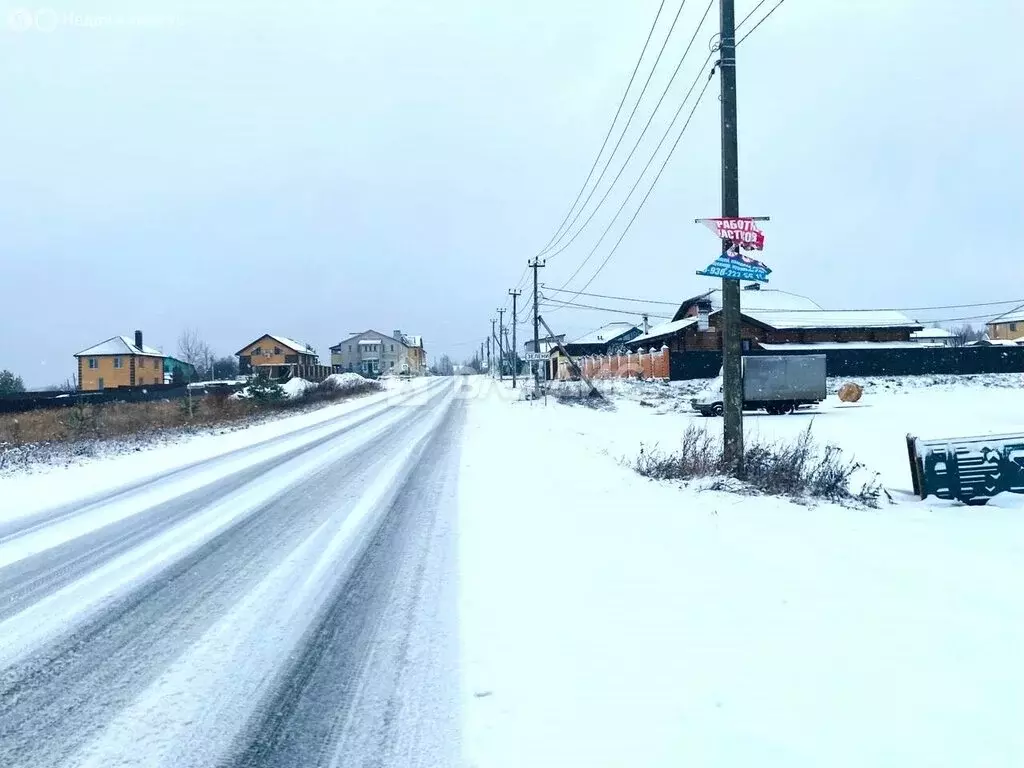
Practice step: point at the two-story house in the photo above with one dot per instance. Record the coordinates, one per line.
(119, 362)
(276, 357)
(1008, 326)
(372, 353)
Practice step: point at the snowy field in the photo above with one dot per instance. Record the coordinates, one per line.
(608, 620)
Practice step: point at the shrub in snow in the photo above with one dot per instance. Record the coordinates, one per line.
(262, 388)
(795, 469)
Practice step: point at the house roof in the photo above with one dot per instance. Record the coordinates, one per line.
(369, 333)
(300, 347)
(413, 341)
(119, 345)
(761, 298)
(605, 334)
(837, 318)
(932, 333)
(664, 330)
(1015, 315)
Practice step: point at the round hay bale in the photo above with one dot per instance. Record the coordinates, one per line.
(850, 392)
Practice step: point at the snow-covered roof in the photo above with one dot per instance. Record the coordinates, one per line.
(838, 318)
(665, 329)
(1015, 315)
(932, 333)
(994, 343)
(298, 346)
(119, 345)
(825, 346)
(413, 341)
(369, 341)
(605, 333)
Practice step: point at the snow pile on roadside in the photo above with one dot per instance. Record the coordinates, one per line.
(344, 382)
(297, 387)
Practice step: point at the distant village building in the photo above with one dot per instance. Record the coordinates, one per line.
(119, 362)
(1008, 326)
(372, 353)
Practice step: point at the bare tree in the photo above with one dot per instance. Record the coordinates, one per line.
(444, 367)
(966, 333)
(193, 350)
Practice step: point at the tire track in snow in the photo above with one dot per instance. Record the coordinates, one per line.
(32, 578)
(57, 699)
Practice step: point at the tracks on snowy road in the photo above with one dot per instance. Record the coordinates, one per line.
(289, 603)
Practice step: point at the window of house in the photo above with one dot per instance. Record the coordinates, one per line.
(92, 362)
(257, 351)
(392, 347)
(101, 382)
(277, 350)
(350, 349)
(1013, 326)
(142, 362)
(392, 363)
(117, 362)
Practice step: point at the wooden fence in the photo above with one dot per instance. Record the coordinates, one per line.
(649, 364)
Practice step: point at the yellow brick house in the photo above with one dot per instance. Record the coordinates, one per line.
(1009, 326)
(119, 362)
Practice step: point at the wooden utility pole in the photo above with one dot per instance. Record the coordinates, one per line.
(501, 345)
(515, 295)
(535, 265)
(489, 349)
(572, 362)
(732, 364)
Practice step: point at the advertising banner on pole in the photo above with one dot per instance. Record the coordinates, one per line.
(742, 233)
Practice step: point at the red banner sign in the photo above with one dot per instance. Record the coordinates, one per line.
(741, 230)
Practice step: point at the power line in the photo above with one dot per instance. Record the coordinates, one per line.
(762, 21)
(650, 189)
(637, 299)
(752, 12)
(611, 127)
(558, 304)
(636, 144)
(572, 305)
(606, 296)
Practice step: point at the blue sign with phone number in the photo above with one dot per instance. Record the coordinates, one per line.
(737, 267)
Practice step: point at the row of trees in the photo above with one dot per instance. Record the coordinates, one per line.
(193, 349)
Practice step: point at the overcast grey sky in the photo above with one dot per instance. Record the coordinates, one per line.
(314, 169)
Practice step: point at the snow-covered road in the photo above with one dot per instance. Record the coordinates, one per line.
(288, 602)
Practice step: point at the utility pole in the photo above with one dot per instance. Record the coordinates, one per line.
(535, 265)
(732, 370)
(647, 324)
(501, 346)
(489, 371)
(515, 295)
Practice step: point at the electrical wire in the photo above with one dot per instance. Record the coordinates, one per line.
(752, 12)
(649, 190)
(639, 139)
(611, 127)
(762, 21)
(574, 305)
(1018, 302)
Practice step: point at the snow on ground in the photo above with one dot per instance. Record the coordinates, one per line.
(872, 430)
(47, 485)
(609, 620)
(347, 381)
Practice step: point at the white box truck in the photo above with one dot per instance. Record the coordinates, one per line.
(775, 383)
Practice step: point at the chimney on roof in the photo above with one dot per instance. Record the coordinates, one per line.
(397, 335)
(138, 340)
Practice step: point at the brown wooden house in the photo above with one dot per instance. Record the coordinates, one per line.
(278, 357)
(777, 320)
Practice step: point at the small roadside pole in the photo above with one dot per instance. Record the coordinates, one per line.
(572, 361)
